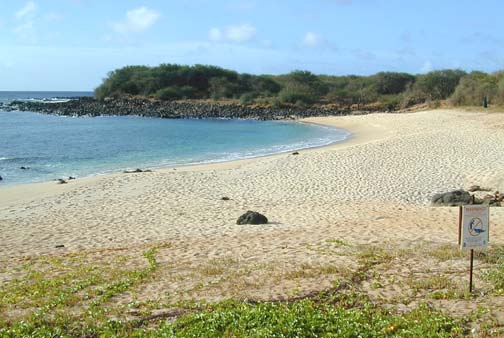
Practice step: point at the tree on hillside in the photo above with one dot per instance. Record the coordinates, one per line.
(302, 86)
(440, 84)
(121, 81)
(473, 87)
(221, 87)
(363, 89)
(392, 83)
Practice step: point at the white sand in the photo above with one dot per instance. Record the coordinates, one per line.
(374, 188)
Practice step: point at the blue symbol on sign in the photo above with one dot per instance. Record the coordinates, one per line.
(476, 227)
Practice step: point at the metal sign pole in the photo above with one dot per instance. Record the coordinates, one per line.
(471, 272)
(460, 226)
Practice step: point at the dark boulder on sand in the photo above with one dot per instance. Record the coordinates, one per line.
(453, 198)
(252, 217)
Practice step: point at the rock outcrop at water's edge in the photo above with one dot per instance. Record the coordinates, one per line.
(87, 106)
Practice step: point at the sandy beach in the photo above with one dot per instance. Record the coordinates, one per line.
(375, 187)
(373, 190)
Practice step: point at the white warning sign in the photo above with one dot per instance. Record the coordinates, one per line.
(474, 227)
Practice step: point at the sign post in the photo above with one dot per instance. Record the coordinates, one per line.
(473, 231)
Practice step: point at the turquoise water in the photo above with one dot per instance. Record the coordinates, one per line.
(57, 147)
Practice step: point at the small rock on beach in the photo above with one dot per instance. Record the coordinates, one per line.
(252, 217)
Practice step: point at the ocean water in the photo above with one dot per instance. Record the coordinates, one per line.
(6, 97)
(57, 147)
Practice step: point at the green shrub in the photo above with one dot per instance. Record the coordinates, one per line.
(473, 87)
(389, 102)
(293, 95)
(169, 93)
(440, 84)
(392, 83)
(247, 98)
(188, 92)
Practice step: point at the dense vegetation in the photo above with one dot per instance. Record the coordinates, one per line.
(335, 316)
(384, 90)
(475, 85)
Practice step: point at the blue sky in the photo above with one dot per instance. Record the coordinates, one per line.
(72, 44)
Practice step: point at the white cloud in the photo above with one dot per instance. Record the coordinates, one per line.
(313, 40)
(267, 43)
(26, 31)
(215, 34)
(28, 10)
(427, 67)
(137, 20)
(241, 33)
(25, 27)
(238, 34)
(27, 17)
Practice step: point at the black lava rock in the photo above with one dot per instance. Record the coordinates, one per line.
(252, 217)
(452, 198)
(128, 105)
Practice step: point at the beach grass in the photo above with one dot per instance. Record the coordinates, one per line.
(75, 296)
(495, 275)
(326, 314)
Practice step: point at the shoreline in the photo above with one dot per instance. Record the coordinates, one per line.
(346, 137)
(358, 133)
(25, 192)
(16, 193)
